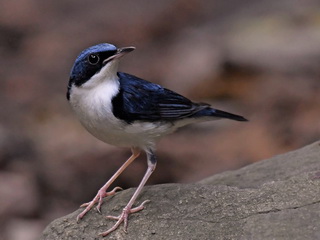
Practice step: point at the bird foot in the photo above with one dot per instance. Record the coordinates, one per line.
(123, 218)
(97, 199)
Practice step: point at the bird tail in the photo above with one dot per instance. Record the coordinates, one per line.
(223, 114)
(207, 111)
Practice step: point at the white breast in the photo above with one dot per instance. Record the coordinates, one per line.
(92, 105)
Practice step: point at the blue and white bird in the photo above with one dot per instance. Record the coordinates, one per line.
(124, 110)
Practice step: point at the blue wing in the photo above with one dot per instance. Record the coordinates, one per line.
(139, 99)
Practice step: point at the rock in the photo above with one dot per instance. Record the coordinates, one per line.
(278, 168)
(278, 198)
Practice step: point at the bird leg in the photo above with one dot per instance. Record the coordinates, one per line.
(103, 191)
(128, 208)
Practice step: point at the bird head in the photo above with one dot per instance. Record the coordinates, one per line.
(95, 64)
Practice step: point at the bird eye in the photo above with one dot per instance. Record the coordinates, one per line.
(93, 59)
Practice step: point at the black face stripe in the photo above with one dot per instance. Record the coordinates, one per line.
(106, 55)
(83, 70)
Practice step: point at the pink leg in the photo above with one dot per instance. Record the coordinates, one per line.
(103, 191)
(128, 208)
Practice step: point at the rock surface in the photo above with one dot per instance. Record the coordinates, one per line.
(278, 198)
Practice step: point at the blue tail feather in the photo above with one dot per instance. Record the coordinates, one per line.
(211, 112)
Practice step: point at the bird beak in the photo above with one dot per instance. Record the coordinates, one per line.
(120, 52)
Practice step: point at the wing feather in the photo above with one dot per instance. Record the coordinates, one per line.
(139, 99)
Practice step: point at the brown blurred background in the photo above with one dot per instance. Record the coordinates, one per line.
(255, 58)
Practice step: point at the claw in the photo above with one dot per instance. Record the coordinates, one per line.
(106, 194)
(84, 204)
(140, 207)
(123, 218)
(97, 199)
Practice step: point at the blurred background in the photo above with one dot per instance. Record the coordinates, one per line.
(256, 58)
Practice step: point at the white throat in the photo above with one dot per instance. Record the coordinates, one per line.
(93, 98)
(107, 73)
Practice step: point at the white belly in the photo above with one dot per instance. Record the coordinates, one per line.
(138, 134)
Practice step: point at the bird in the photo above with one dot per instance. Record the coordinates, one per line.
(126, 111)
